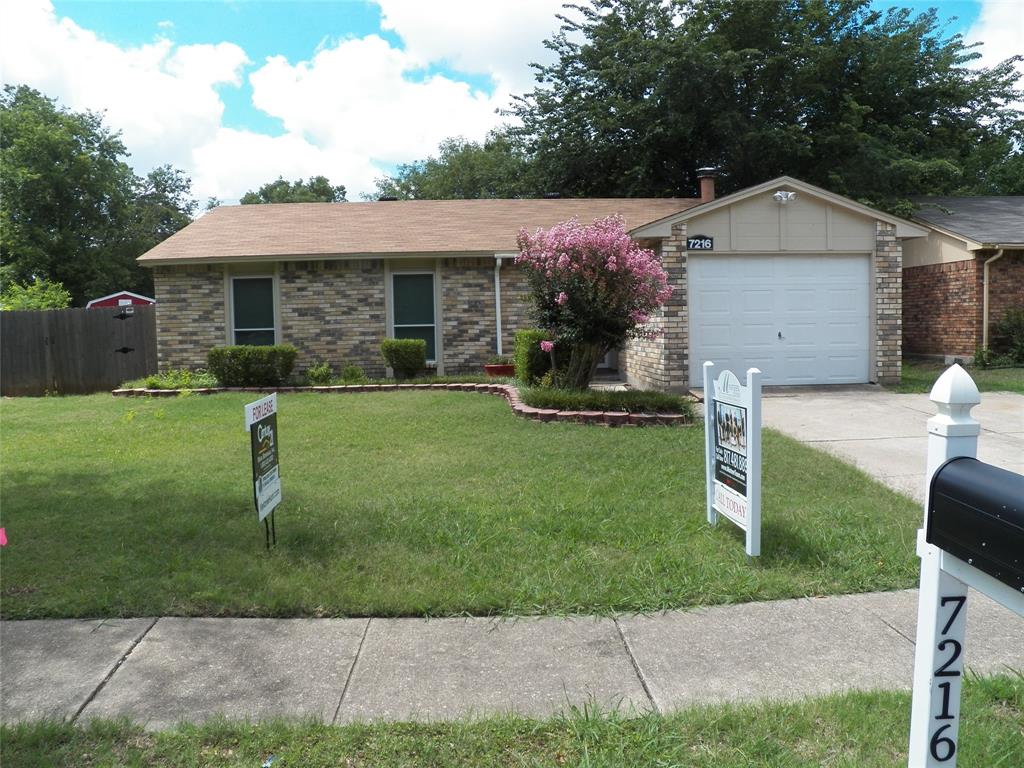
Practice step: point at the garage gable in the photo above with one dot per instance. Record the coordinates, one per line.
(803, 218)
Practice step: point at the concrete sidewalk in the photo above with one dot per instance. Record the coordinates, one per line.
(886, 434)
(160, 672)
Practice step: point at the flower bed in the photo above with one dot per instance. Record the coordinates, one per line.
(507, 391)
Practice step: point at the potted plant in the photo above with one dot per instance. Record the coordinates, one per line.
(500, 365)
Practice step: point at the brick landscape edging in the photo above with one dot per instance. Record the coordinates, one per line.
(507, 391)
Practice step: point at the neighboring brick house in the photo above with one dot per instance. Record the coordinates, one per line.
(963, 277)
(786, 276)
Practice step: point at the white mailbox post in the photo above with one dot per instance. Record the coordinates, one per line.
(942, 607)
(732, 451)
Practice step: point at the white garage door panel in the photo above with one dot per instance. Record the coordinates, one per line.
(820, 305)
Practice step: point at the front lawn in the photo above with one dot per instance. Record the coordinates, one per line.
(920, 376)
(856, 730)
(409, 503)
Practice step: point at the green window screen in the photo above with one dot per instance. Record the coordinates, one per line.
(425, 332)
(414, 300)
(253, 304)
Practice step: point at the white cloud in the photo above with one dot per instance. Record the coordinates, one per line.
(1000, 26)
(351, 111)
(498, 38)
(356, 95)
(162, 97)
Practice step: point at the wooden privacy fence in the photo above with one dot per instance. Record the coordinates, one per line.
(75, 351)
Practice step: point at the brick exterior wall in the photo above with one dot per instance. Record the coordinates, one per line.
(1005, 284)
(333, 311)
(468, 325)
(516, 304)
(190, 315)
(943, 303)
(888, 304)
(942, 308)
(662, 363)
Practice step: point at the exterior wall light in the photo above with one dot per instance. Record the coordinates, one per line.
(782, 197)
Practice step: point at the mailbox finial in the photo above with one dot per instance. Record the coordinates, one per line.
(954, 395)
(955, 387)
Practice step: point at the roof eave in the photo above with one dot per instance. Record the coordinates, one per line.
(159, 261)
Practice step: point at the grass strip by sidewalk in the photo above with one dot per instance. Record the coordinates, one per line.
(410, 504)
(854, 730)
(920, 376)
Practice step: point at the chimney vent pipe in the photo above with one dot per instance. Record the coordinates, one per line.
(707, 183)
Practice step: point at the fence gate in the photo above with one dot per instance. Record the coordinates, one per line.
(75, 351)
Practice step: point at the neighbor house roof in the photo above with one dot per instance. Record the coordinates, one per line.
(983, 220)
(387, 228)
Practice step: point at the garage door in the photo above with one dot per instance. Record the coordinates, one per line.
(800, 319)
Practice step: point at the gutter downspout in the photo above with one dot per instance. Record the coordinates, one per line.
(984, 298)
(497, 300)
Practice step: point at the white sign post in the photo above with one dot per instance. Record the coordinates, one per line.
(942, 606)
(732, 451)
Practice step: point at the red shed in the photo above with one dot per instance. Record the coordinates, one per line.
(120, 299)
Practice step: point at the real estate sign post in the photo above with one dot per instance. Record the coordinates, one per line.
(261, 421)
(732, 451)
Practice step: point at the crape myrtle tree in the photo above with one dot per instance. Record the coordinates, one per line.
(593, 287)
(875, 104)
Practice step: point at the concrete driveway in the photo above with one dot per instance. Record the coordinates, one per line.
(886, 434)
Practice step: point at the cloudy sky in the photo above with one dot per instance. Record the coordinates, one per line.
(238, 92)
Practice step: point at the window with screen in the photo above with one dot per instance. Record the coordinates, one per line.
(252, 302)
(413, 300)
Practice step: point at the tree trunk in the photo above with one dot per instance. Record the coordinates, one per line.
(577, 371)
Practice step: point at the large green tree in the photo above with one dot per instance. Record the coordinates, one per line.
(464, 170)
(317, 190)
(875, 105)
(71, 209)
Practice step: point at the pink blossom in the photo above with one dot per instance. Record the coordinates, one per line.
(547, 346)
(562, 298)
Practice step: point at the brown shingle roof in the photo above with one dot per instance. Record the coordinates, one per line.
(297, 230)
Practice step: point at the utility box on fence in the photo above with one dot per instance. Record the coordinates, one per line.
(977, 514)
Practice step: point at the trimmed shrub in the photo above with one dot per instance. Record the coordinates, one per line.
(530, 360)
(247, 366)
(406, 357)
(631, 401)
(319, 374)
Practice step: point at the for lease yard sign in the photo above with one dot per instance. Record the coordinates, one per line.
(261, 421)
(732, 421)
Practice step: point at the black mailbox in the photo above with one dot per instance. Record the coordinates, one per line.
(976, 513)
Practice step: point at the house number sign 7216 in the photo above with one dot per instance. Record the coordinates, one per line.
(947, 674)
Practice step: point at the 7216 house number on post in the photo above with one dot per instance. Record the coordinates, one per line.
(947, 655)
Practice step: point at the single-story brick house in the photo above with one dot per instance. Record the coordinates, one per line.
(962, 277)
(786, 276)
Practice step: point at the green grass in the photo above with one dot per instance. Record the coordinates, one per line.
(856, 730)
(919, 376)
(409, 503)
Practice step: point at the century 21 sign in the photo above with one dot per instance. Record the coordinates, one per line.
(261, 421)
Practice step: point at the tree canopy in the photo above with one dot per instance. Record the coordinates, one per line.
(317, 190)
(71, 210)
(497, 168)
(876, 105)
(39, 294)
